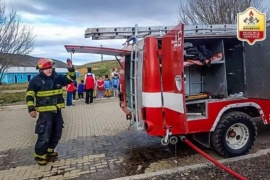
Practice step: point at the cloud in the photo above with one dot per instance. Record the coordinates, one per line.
(97, 9)
(63, 22)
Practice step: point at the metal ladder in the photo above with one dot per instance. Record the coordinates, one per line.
(133, 82)
(133, 91)
(141, 32)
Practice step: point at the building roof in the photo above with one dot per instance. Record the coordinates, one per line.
(31, 70)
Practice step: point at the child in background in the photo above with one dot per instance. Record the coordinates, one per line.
(107, 86)
(115, 83)
(100, 87)
(70, 89)
(81, 89)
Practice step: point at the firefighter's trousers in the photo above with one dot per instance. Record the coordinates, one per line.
(49, 130)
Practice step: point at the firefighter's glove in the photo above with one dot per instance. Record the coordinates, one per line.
(33, 114)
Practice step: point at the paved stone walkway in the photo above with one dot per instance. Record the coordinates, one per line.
(96, 144)
(95, 139)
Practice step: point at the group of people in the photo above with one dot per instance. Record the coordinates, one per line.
(108, 87)
(93, 87)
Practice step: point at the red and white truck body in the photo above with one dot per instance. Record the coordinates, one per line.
(214, 105)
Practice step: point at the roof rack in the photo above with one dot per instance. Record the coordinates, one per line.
(141, 32)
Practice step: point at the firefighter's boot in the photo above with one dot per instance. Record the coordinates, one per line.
(51, 155)
(41, 160)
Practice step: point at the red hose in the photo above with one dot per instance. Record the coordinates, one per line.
(230, 171)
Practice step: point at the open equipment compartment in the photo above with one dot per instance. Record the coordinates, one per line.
(217, 81)
(202, 79)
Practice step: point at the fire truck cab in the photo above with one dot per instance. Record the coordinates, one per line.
(215, 104)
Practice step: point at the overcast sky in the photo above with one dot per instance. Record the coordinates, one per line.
(63, 22)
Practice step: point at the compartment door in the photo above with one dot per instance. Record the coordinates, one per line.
(257, 66)
(173, 90)
(96, 50)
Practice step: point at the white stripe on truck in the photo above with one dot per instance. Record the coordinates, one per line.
(173, 101)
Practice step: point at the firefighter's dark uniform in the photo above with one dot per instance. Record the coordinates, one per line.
(44, 95)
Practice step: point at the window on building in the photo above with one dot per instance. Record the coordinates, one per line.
(28, 77)
(21, 76)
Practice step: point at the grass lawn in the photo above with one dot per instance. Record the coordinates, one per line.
(7, 98)
(19, 86)
(12, 97)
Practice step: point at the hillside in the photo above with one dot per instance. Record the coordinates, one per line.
(30, 61)
(100, 68)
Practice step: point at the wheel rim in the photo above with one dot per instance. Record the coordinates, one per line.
(237, 136)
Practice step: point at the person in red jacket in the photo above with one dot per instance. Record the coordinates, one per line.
(89, 80)
(100, 87)
(70, 90)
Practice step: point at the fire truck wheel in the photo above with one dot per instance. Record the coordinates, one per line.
(234, 135)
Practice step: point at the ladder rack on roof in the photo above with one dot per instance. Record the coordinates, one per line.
(129, 32)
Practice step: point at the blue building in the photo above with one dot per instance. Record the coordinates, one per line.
(24, 74)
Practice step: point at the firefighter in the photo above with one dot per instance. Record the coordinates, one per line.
(45, 95)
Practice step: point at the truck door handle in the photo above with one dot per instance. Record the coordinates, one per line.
(178, 82)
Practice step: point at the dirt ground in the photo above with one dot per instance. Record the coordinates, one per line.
(254, 169)
(143, 154)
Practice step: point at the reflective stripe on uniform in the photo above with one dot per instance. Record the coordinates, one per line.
(50, 108)
(46, 108)
(30, 93)
(50, 150)
(69, 78)
(71, 73)
(61, 105)
(30, 103)
(49, 93)
(40, 156)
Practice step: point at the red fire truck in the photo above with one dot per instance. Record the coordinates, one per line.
(169, 97)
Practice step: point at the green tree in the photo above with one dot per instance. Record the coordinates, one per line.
(15, 37)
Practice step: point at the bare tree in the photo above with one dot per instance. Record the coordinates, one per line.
(15, 37)
(201, 12)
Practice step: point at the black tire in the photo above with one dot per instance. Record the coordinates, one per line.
(230, 122)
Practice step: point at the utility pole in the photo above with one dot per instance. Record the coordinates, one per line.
(71, 54)
(101, 54)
